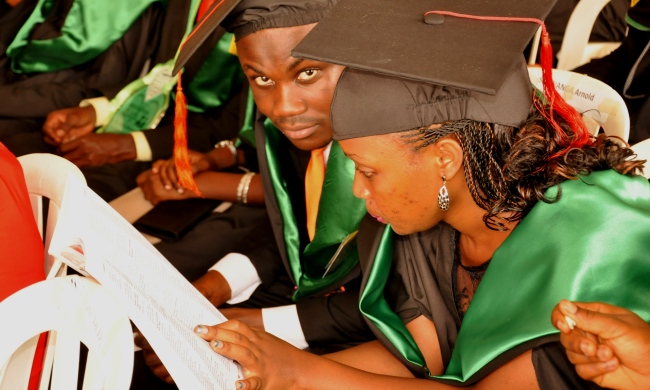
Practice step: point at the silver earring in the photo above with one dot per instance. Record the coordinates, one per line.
(443, 196)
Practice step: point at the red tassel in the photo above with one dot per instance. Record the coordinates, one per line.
(181, 155)
(559, 105)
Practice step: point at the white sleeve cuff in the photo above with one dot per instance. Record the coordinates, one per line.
(102, 108)
(283, 322)
(142, 148)
(240, 274)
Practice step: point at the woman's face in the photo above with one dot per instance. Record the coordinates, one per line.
(400, 186)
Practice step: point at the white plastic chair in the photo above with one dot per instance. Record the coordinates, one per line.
(642, 150)
(45, 175)
(600, 105)
(80, 309)
(576, 49)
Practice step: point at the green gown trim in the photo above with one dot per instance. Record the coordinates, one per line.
(339, 215)
(373, 305)
(90, 27)
(591, 245)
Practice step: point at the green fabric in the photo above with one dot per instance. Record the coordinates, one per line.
(212, 85)
(339, 215)
(141, 104)
(636, 24)
(90, 28)
(247, 132)
(560, 250)
(373, 305)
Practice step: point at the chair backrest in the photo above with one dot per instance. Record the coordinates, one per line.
(45, 175)
(642, 150)
(576, 48)
(77, 309)
(600, 105)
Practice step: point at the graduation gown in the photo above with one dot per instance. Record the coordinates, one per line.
(325, 319)
(510, 312)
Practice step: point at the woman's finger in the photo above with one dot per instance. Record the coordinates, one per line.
(252, 383)
(592, 371)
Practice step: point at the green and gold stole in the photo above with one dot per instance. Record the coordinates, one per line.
(90, 27)
(142, 104)
(339, 214)
(591, 245)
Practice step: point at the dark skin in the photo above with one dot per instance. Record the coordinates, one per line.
(71, 129)
(296, 94)
(609, 345)
(389, 179)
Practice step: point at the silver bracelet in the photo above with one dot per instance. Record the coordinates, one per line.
(231, 146)
(247, 186)
(243, 186)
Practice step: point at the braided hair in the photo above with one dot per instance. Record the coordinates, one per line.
(508, 169)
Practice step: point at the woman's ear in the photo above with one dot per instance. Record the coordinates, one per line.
(449, 156)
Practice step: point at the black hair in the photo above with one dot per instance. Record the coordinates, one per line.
(508, 169)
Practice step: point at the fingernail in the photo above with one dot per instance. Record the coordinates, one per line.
(216, 344)
(561, 325)
(168, 187)
(570, 307)
(570, 322)
(241, 385)
(610, 364)
(202, 329)
(584, 347)
(180, 190)
(154, 170)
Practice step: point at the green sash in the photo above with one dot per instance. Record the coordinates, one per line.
(143, 103)
(339, 214)
(90, 28)
(591, 245)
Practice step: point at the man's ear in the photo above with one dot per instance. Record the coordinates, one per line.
(449, 156)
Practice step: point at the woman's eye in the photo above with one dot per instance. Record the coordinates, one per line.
(262, 81)
(308, 74)
(366, 174)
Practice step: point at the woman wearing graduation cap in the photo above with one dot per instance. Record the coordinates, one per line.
(470, 181)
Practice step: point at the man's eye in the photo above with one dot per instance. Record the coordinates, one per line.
(262, 81)
(308, 74)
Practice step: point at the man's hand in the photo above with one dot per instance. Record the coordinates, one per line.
(214, 287)
(251, 317)
(68, 124)
(151, 359)
(99, 149)
(608, 345)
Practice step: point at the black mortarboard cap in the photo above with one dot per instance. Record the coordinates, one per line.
(244, 17)
(437, 67)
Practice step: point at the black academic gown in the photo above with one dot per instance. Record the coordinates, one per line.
(421, 284)
(325, 320)
(30, 97)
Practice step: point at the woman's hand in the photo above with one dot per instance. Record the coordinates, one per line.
(608, 345)
(167, 169)
(267, 362)
(155, 191)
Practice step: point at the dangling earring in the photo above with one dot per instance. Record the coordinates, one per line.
(443, 196)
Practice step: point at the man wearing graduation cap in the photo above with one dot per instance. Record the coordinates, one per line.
(421, 118)
(302, 267)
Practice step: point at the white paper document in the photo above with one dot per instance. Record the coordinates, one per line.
(159, 300)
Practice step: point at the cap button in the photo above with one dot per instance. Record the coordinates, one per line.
(434, 19)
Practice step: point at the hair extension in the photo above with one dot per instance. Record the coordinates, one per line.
(507, 170)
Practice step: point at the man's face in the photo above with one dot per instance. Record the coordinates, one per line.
(294, 93)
